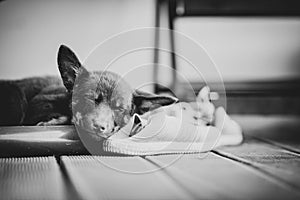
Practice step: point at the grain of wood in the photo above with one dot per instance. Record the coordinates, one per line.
(120, 178)
(31, 178)
(275, 161)
(214, 177)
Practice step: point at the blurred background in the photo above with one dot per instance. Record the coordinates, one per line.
(254, 45)
(32, 30)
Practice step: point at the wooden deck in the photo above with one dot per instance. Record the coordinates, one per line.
(266, 165)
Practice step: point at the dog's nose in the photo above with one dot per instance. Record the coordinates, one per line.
(100, 127)
(103, 127)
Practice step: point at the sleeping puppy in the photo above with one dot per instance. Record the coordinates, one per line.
(102, 101)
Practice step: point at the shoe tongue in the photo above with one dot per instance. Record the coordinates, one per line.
(138, 124)
(136, 119)
(134, 126)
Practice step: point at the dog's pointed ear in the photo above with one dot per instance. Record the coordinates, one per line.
(144, 102)
(69, 66)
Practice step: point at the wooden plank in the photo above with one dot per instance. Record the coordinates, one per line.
(119, 178)
(277, 162)
(215, 177)
(21, 141)
(281, 130)
(31, 178)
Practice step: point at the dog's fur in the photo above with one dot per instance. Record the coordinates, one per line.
(31, 100)
(102, 102)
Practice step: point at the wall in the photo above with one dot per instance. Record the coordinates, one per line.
(31, 32)
(244, 48)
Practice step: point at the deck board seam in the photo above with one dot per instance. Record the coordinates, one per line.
(71, 189)
(257, 168)
(172, 179)
(278, 145)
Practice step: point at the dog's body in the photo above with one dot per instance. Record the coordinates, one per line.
(102, 102)
(31, 100)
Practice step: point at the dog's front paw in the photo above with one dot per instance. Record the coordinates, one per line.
(55, 121)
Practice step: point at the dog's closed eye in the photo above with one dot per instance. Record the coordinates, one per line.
(121, 109)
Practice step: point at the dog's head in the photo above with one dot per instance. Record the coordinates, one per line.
(102, 102)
